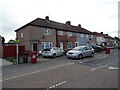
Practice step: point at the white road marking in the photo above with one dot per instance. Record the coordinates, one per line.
(113, 68)
(37, 71)
(99, 57)
(100, 67)
(44, 59)
(56, 85)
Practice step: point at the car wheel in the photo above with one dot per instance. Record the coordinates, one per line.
(80, 56)
(44, 56)
(54, 55)
(92, 54)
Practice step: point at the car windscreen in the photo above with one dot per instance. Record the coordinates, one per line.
(77, 49)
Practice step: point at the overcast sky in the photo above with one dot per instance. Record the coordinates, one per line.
(94, 15)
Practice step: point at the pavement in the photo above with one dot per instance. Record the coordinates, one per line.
(4, 62)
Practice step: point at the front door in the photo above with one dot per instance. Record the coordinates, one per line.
(61, 46)
(35, 46)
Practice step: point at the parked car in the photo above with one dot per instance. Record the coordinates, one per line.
(80, 52)
(118, 47)
(52, 52)
(97, 48)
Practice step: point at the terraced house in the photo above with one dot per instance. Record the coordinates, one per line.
(104, 39)
(1, 47)
(44, 33)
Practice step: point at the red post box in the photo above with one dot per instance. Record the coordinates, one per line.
(33, 57)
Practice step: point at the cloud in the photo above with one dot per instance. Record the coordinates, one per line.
(94, 15)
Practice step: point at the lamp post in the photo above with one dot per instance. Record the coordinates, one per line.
(17, 50)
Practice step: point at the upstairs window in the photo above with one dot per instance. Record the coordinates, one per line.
(82, 35)
(21, 35)
(87, 36)
(60, 32)
(47, 31)
(91, 36)
(69, 34)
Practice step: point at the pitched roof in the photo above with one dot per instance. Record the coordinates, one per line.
(104, 35)
(56, 25)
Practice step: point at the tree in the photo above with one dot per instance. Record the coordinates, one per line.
(3, 40)
(11, 41)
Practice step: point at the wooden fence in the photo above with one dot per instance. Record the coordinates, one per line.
(10, 51)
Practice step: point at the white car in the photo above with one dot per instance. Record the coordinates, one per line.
(53, 52)
(80, 51)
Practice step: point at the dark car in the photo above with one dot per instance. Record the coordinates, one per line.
(97, 48)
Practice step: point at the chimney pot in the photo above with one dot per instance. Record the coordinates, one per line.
(68, 23)
(47, 17)
(79, 25)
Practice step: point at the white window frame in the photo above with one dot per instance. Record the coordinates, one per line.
(69, 34)
(61, 45)
(44, 47)
(68, 44)
(21, 35)
(82, 35)
(77, 44)
(47, 31)
(60, 33)
(87, 36)
(91, 36)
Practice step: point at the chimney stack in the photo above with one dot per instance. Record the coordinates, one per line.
(47, 17)
(68, 23)
(79, 25)
(107, 34)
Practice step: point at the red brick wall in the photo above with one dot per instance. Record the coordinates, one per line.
(65, 40)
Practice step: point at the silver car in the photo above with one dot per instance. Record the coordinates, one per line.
(80, 51)
(53, 52)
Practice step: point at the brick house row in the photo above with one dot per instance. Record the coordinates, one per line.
(104, 39)
(1, 47)
(44, 33)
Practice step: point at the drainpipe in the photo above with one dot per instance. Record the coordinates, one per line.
(56, 39)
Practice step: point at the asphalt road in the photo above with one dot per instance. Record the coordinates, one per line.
(100, 71)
